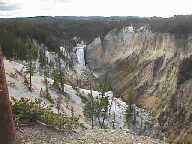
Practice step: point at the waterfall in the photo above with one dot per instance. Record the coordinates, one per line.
(80, 54)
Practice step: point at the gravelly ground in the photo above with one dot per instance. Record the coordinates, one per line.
(38, 134)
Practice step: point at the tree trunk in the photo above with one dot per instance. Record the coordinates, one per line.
(92, 105)
(61, 76)
(30, 76)
(105, 116)
(114, 120)
(7, 127)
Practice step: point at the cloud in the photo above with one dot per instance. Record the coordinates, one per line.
(28, 8)
(4, 6)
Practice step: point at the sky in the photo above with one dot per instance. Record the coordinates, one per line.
(142, 8)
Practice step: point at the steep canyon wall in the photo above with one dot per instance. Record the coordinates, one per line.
(156, 66)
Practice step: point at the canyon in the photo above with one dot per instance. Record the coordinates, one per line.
(157, 66)
(148, 58)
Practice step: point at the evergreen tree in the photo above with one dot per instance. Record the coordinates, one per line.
(56, 83)
(96, 109)
(46, 80)
(44, 64)
(41, 57)
(103, 104)
(130, 111)
(103, 101)
(58, 103)
(30, 66)
(59, 77)
(89, 109)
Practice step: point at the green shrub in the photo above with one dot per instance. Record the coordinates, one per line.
(32, 111)
(26, 110)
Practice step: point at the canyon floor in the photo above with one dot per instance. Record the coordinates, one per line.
(39, 134)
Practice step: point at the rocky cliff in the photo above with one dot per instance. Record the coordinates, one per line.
(157, 66)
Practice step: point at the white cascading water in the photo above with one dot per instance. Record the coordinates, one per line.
(80, 54)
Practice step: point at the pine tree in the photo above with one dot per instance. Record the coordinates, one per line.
(46, 80)
(46, 72)
(130, 111)
(56, 83)
(96, 109)
(60, 70)
(90, 109)
(30, 70)
(30, 66)
(103, 101)
(58, 103)
(41, 57)
(61, 75)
